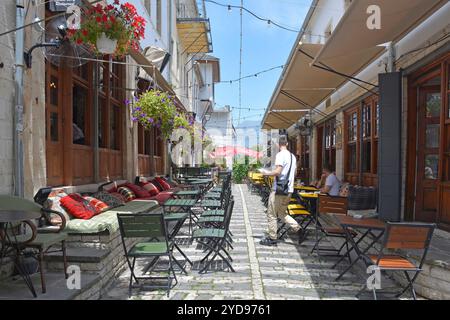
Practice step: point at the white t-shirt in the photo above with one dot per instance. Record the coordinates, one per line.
(334, 184)
(284, 158)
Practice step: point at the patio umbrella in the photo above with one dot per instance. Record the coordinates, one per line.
(230, 151)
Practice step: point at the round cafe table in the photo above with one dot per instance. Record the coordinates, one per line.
(7, 219)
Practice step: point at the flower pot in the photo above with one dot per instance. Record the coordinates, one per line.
(106, 45)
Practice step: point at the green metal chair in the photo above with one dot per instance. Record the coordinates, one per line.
(149, 230)
(216, 241)
(43, 238)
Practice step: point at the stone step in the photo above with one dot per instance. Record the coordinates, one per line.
(15, 288)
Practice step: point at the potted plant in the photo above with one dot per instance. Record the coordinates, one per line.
(112, 29)
(156, 109)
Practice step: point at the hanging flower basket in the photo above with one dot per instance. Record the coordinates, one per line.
(156, 109)
(112, 29)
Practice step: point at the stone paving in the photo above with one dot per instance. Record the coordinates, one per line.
(287, 271)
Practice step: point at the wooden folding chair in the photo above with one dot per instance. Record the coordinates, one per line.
(403, 236)
(331, 205)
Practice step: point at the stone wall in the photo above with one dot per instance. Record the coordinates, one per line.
(7, 60)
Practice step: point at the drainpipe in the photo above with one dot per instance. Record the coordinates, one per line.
(391, 57)
(19, 99)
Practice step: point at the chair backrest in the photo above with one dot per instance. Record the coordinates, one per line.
(143, 226)
(329, 204)
(18, 204)
(229, 213)
(408, 235)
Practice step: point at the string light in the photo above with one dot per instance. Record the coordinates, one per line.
(235, 80)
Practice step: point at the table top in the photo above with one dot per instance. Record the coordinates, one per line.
(309, 195)
(305, 188)
(210, 203)
(13, 215)
(180, 203)
(200, 181)
(349, 221)
(188, 193)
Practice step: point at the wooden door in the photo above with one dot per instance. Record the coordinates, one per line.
(428, 152)
(53, 126)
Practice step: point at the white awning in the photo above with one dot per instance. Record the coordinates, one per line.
(353, 45)
(153, 72)
(302, 88)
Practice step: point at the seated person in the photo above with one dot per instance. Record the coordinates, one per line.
(332, 183)
(345, 190)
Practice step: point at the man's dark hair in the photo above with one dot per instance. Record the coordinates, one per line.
(283, 141)
(327, 169)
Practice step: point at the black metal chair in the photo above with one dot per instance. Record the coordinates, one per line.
(153, 242)
(215, 240)
(43, 239)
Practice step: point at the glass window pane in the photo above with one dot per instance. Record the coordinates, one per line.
(432, 166)
(80, 101)
(367, 157)
(433, 136)
(147, 142)
(114, 123)
(54, 136)
(352, 158)
(434, 102)
(101, 123)
(54, 85)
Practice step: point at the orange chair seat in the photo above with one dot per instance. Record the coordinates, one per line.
(392, 262)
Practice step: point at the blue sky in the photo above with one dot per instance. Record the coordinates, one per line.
(263, 47)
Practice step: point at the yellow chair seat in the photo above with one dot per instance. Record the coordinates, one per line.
(298, 212)
(296, 206)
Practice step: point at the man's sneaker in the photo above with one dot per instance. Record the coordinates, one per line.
(268, 242)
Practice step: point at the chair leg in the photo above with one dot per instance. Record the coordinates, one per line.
(64, 252)
(41, 269)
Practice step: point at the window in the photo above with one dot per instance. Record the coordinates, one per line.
(80, 134)
(110, 110)
(361, 141)
(330, 144)
(352, 142)
(367, 138)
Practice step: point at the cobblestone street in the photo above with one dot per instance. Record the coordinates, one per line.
(287, 271)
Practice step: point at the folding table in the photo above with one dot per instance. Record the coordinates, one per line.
(370, 225)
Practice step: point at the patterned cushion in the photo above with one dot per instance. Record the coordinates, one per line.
(107, 221)
(163, 183)
(110, 199)
(78, 207)
(137, 190)
(127, 193)
(150, 187)
(53, 202)
(157, 185)
(362, 198)
(97, 204)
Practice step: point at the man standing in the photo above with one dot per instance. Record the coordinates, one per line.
(285, 168)
(332, 183)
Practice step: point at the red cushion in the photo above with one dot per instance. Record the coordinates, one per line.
(163, 197)
(77, 207)
(150, 187)
(138, 191)
(163, 183)
(97, 204)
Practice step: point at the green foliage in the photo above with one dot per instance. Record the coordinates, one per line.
(157, 109)
(240, 171)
